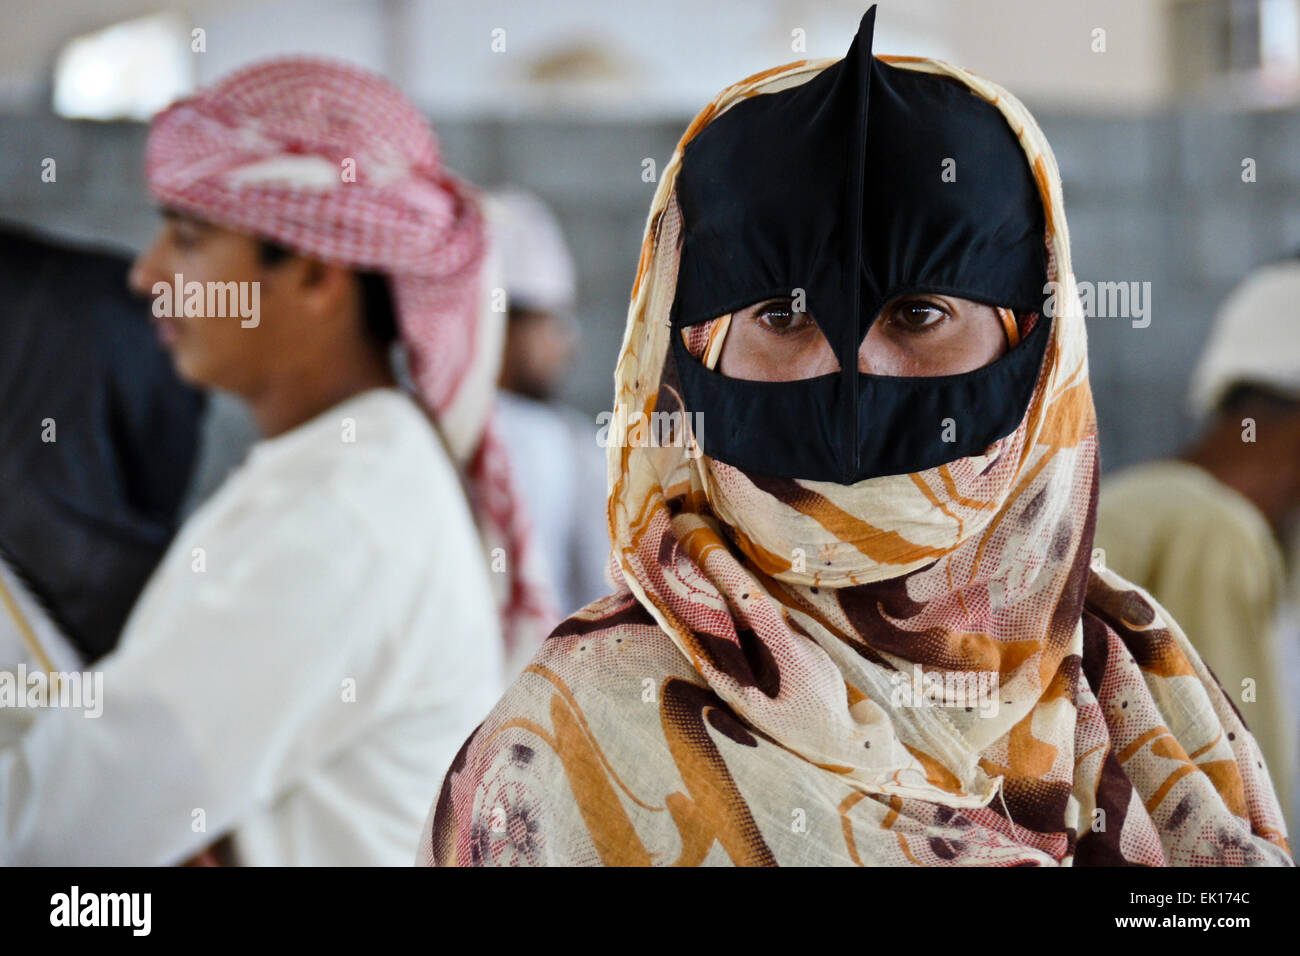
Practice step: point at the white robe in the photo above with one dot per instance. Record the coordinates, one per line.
(561, 472)
(30, 642)
(299, 672)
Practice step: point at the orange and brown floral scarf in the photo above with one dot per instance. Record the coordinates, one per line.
(920, 669)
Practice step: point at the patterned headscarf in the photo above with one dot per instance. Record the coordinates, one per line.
(764, 690)
(335, 163)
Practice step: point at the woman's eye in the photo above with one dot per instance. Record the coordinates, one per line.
(781, 317)
(916, 316)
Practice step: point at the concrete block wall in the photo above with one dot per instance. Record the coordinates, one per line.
(1161, 199)
(1157, 198)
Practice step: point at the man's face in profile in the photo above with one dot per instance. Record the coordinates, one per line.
(222, 351)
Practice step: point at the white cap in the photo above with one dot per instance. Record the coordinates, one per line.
(1255, 339)
(535, 259)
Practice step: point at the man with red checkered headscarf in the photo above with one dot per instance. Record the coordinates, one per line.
(326, 629)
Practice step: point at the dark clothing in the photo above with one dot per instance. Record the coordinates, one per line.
(86, 516)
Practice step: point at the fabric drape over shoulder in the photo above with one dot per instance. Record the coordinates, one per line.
(916, 669)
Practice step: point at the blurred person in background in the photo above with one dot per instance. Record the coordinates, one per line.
(99, 440)
(889, 506)
(553, 447)
(1204, 532)
(324, 630)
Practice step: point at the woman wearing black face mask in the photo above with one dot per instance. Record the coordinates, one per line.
(853, 473)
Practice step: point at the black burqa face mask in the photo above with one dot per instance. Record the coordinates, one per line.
(837, 188)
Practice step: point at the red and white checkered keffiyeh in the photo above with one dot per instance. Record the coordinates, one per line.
(335, 163)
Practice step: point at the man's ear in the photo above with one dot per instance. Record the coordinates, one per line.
(324, 287)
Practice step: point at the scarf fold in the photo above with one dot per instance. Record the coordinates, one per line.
(333, 162)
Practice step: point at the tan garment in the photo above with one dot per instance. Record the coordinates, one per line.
(1207, 554)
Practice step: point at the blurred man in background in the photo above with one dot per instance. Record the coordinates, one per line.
(323, 632)
(99, 436)
(1204, 532)
(554, 448)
